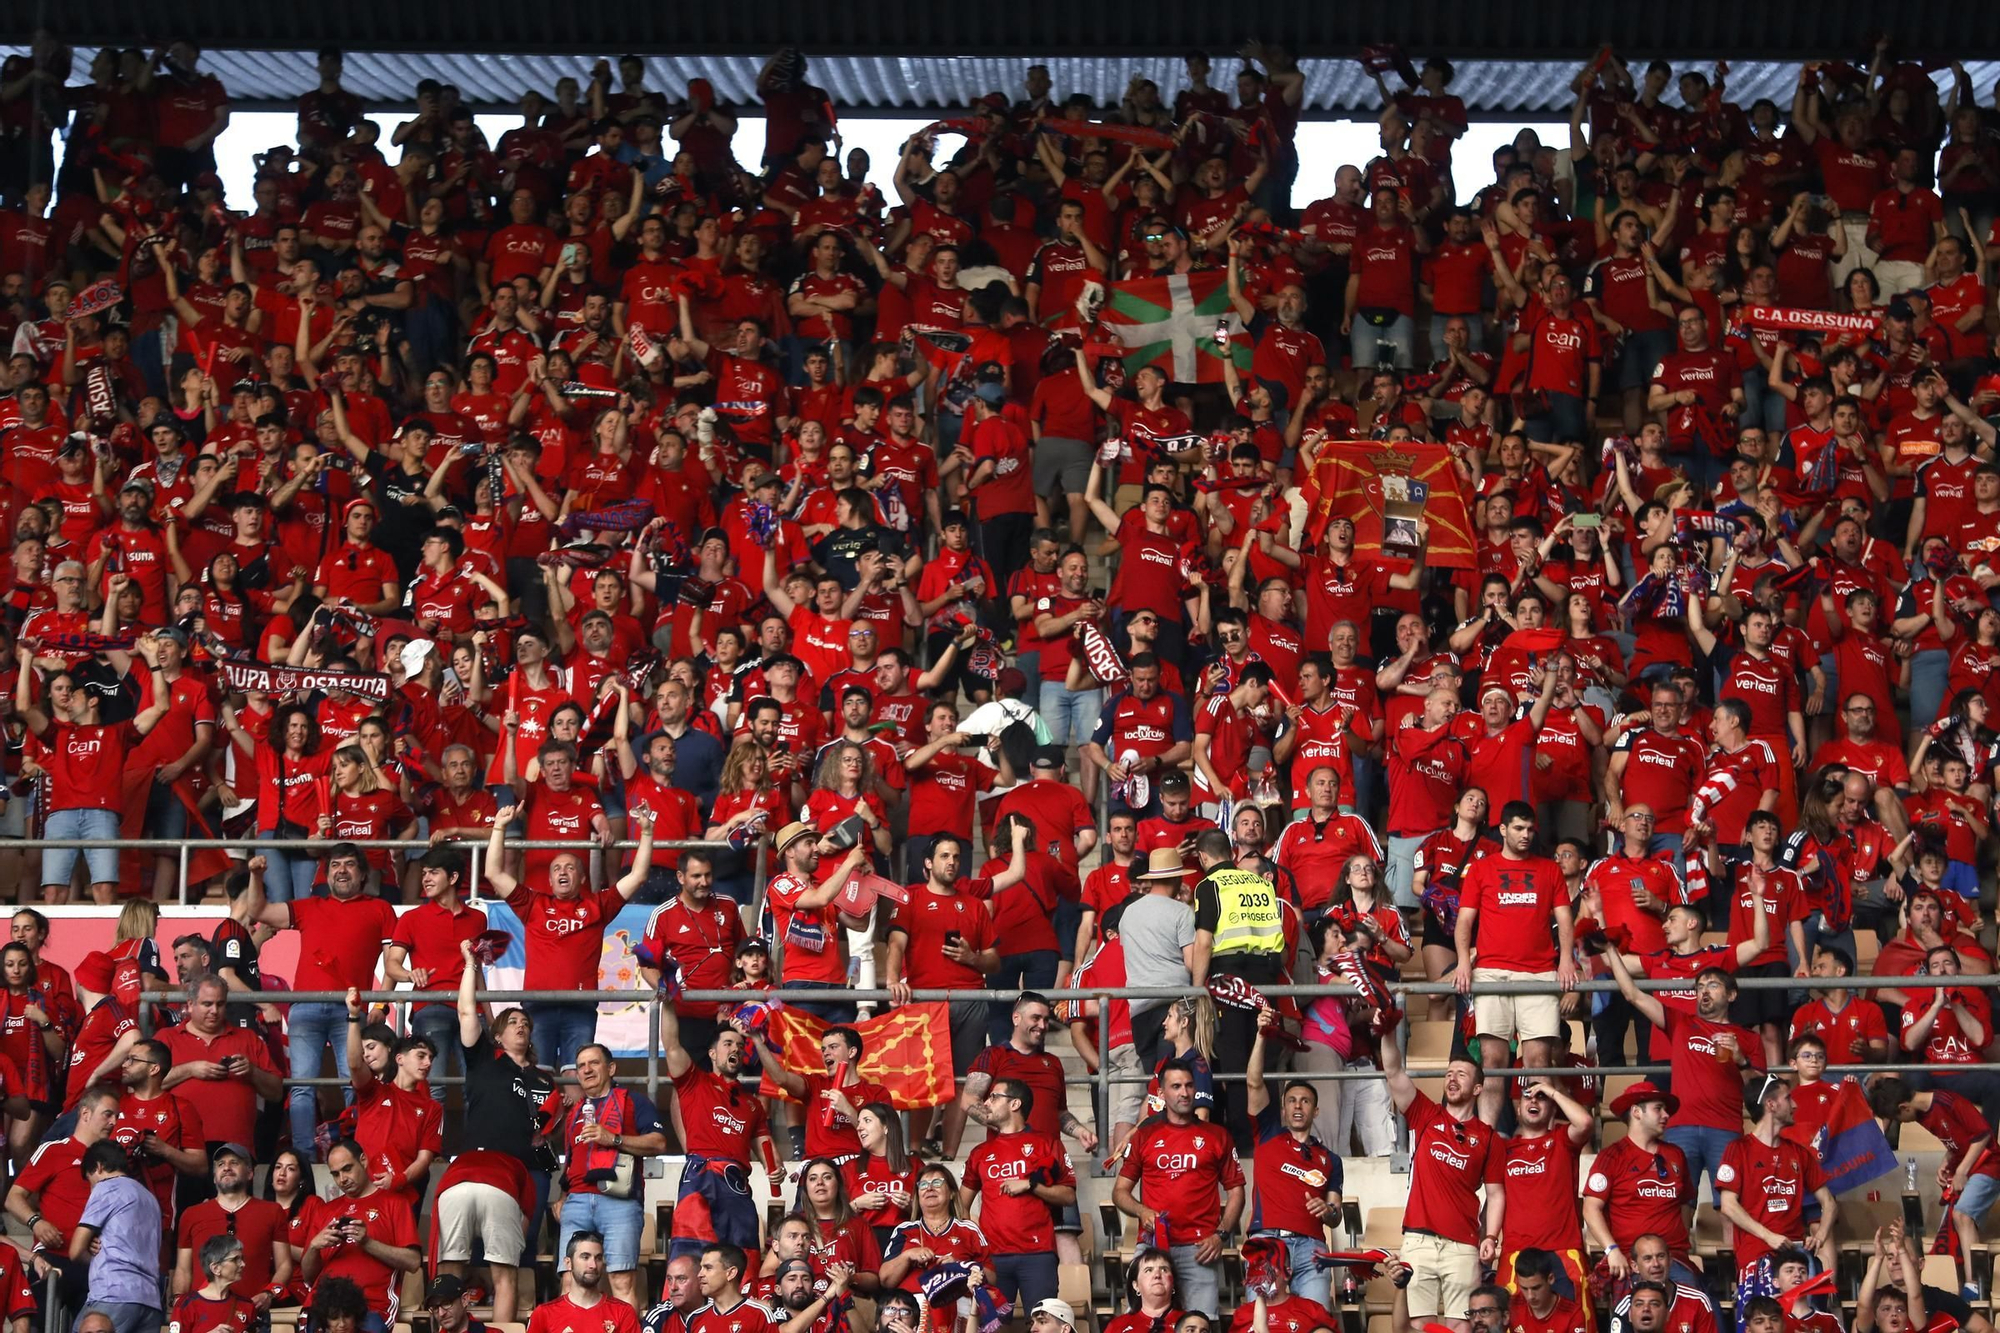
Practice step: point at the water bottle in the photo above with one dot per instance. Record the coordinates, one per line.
(588, 1115)
(1910, 1174)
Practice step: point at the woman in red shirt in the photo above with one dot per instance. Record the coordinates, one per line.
(882, 1181)
(364, 809)
(846, 786)
(744, 794)
(288, 764)
(843, 1237)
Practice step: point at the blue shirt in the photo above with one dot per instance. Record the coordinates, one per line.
(126, 1217)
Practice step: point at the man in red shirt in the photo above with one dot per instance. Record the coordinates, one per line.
(340, 942)
(698, 933)
(1502, 934)
(259, 1223)
(586, 1305)
(1538, 1307)
(1448, 1233)
(721, 1121)
(225, 1067)
(1639, 1185)
(1698, 387)
(363, 1233)
(1904, 222)
(424, 951)
(1180, 1165)
(1565, 362)
(1766, 1178)
(1018, 1175)
(563, 924)
(49, 1193)
(358, 571)
(1382, 285)
(802, 909)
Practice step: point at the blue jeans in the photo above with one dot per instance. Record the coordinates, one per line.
(560, 1031)
(1703, 469)
(126, 1316)
(1403, 869)
(1567, 421)
(1366, 343)
(1199, 1284)
(312, 1027)
(1027, 1279)
(291, 874)
(620, 1221)
(1308, 1278)
(59, 863)
(1929, 671)
(1071, 715)
(439, 1022)
(1704, 1148)
(832, 1012)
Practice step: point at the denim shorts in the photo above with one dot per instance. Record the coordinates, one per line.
(620, 1220)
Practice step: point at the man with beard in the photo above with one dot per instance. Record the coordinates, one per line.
(698, 934)
(806, 1306)
(719, 1120)
(363, 1233)
(450, 1306)
(258, 1223)
(1541, 1170)
(162, 1129)
(357, 571)
(585, 1304)
(1766, 1178)
(1447, 1233)
(133, 546)
(675, 814)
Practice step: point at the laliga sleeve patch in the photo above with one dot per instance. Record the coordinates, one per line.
(1724, 1174)
(1598, 1181)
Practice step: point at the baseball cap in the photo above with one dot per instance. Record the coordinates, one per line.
(443, 1290)
(1057, 1310)
(1048, 756)
(993, 395)
(234, 1150)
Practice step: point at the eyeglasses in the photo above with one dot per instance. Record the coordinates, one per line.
(932, 1184)
(1483, 1312)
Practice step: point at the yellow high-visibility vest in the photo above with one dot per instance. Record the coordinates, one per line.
(1249, 920)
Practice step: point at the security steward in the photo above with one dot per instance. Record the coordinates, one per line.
(1239, 930)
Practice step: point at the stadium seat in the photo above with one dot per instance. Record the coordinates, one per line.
(1430, 1044)
(1383, 1229)
(1073, 1286)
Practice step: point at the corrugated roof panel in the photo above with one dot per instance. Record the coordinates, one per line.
(916, 82)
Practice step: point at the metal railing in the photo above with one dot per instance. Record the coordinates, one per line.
(183, 849)
(1104, 1080)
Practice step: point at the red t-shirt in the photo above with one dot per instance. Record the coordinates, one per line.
(430, 935)
(340, 941)
(1450, 1160)
(1516, 902)
(563, 1315)
(1784, 903)
(1017, 1224)
(1846, 1033)
(1772, 1183)
(1182, 1171)
(838, 1138)
(1643, 1191)
(1542, 1173)
(828, 967)
(565, 937)
(925, 920)
(259, 1223)
(1711, 1090)
(721, 1118)
(388, 1220)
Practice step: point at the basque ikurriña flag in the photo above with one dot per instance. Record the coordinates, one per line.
(1171, 323)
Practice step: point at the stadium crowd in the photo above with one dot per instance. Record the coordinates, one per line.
(595, 486)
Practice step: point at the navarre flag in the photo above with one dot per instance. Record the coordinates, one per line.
(1346, 482)
(1171, 322)
(908, 1051)
(1852, 1148)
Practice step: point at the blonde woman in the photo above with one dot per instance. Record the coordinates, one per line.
(365, 809)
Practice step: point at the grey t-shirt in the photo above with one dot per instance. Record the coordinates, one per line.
(1154, 929)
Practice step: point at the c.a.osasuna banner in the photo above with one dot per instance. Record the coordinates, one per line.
(1346, 481)
(907, 1050)
(1171, 322)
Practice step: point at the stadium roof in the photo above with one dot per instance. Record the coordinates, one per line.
(1514, 56)
(863, 85)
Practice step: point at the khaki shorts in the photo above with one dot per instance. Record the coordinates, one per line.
(1128, 1100)
(1443, 1274)
(1526, 1017)
(471, 1210)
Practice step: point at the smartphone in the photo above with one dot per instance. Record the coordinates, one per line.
(953, 937)
(1586, 520)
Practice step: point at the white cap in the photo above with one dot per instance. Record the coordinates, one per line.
(414, 653)
(1057, 1310)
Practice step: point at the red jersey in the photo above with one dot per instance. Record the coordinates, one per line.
(1542, 1175)
(721, 1119)
(608, 1313)
(1772, 1184)
(1450, 1161)
(1846, 1033)
(1182, 1172)
(1710, 1089)
(564, 936)
(1516, 900)
(388, 1219)
(1021, 1223)
(1643, 1190)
